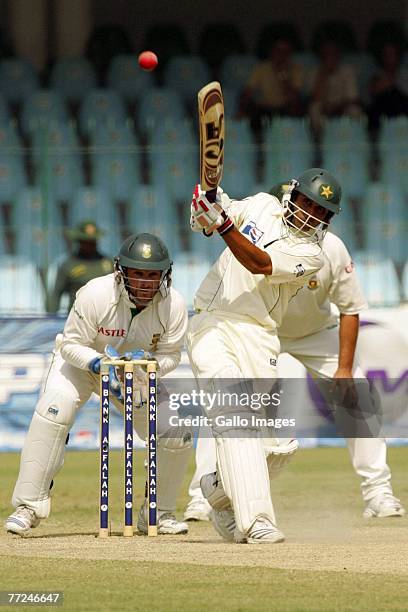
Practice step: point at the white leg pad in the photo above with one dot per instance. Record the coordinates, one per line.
(42, 457)
(171, 469)
(244, 474)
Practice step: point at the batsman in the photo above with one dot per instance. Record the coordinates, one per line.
(272, 251)
(133, 310)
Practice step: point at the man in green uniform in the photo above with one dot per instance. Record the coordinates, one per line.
(84, 264)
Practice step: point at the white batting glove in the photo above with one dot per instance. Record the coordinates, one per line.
(205, 215)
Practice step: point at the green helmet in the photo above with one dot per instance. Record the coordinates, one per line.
(144, 252)
(320, 186)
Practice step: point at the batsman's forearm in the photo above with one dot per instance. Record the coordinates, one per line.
(348, 334)
(250, 256)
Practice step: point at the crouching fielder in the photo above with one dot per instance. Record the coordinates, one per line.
(272, 252)
(134, 309)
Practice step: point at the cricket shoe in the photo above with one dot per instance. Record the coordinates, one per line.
(224, 523)
(263, 531)
(21, 521)
(198, 509)
(384, 505)
(167, 524)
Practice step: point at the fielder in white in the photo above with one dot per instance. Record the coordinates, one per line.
(134, 310)
(324, 341)
(272, 251)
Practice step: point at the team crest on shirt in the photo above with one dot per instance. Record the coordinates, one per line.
(313, 283)
(299, 270)
(253, 232)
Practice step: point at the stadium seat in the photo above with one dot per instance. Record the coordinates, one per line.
(18, 80)
(152, 211)
(38, 227)
(364, 67)
(385, 222)
(235, 71)
(173, 159)
(231, 102)
(239, 175)
(9, 137)
(4, 111)
(157, 104)
(393, 152)
(57, 160)
(25, 293)
(288, 149)
(73, 77)
(12, 173)
(344, 224)
(188, 272)
(126, 78)
(101, 106)
(95, 205)
(393, 132)
(115, 161)
(346, 153)
(43, 108)
(378, 279)
(186, 74)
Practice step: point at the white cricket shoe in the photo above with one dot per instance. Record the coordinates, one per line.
(263, 531)
(385, 504)
(21, 521)
(166, 524)
(198, 509)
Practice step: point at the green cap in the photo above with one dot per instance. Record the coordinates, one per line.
(320, 186)
(86, 230)
(144, 252)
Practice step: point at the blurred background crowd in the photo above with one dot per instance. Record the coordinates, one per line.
(89, 139)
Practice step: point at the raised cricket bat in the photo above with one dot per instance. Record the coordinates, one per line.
(212, 135)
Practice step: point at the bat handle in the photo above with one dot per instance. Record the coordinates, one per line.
(211, 195)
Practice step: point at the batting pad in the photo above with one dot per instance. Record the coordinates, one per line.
(41, 459)
(244, 474)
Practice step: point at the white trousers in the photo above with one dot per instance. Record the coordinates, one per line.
(319, 354)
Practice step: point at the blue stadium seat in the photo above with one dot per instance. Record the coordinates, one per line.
(25, 293)
(125, 77)
(156, 104)
(12, 173)
(9, 138)
(288, 149)
(239, 175)
(378, 279)
(364, 67)
(385, 222)
(73, 77)
(346, 153)
(101, 106)
(152, 211)
(393, 132)
(344, 224)
(43, 108)
(5, 118)
(18, 80)
(188, 272)
(394, 165)
(38, 227)
(173, 159)
(186, 74)
(57, 160)
(236, 69)
(95, 205)
(207, 248)
(115, 160)
(231, 101)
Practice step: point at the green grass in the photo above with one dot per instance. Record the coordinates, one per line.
(322, 476)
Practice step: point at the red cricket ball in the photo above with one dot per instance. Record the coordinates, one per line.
(148, 60)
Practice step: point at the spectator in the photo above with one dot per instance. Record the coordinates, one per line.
(275, 85)
(334, 89)
(389, 87)
(84, 264)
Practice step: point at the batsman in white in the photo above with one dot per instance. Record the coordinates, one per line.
(135, 309)
(272, 251)
(324, 340)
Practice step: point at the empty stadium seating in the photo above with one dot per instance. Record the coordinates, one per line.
(125, 77)
(378, 279)
(73, 77)
(22, 289)
(18, 79)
